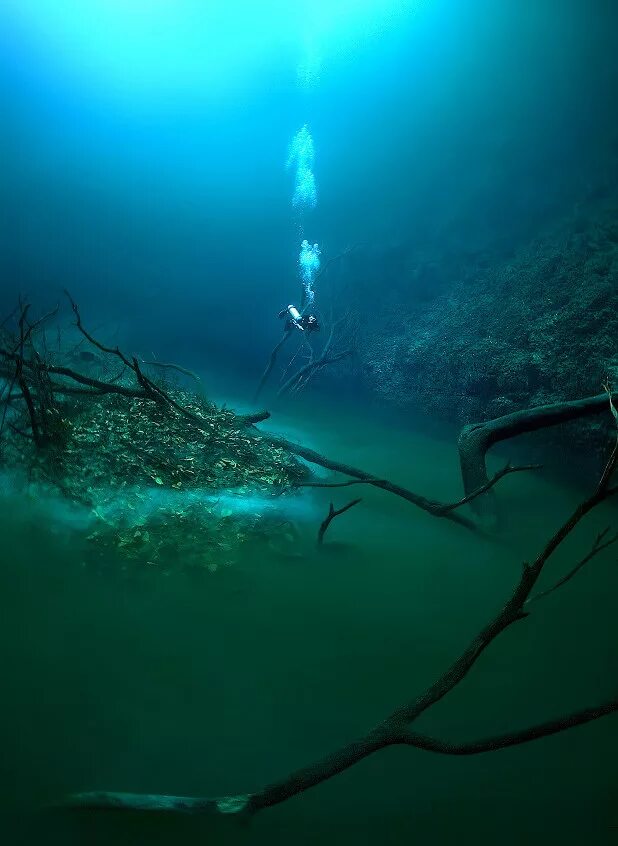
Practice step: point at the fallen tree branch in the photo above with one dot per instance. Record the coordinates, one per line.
(109, 350)
(597, 547)
(150, 390)
(307, 370)
(514, 738)
(32, 374)
(332, 513)
(100, 386)
(287, 333)
(314, 364)
(244, 805)
(6, 401)
(313, 457)
(272, 360)
(508, 468)
(437, 509)
(476, 439)
(336, 484)
(37, 436)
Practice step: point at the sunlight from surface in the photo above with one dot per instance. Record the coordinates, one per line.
(183, 46)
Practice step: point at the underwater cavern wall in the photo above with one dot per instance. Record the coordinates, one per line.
(465, 335)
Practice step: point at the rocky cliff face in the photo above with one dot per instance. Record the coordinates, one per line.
(534, 327)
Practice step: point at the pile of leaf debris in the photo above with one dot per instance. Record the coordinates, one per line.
(167, 489)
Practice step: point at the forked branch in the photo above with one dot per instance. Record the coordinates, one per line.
(332, 513)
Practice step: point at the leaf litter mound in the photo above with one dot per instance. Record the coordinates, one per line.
(169, 491)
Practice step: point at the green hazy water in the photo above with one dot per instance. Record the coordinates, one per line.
(212, 684)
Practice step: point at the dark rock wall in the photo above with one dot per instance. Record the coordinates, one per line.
(475, 336)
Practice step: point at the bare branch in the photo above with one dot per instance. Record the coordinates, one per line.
(21, 381)
(100, 386)
(271, 363)
(9, 317)
(332, 513)
(476, 439)
(337, 484)
(78, 322)
(430, 506)
(150, 390)
(508, 468)
(312, 366)
(597, 547)
(515, 738)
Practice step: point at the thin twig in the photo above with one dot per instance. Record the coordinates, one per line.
(78, 322)
(150, 390)
(514, 738)
(271, 363)
(508, 468)
(597, 547)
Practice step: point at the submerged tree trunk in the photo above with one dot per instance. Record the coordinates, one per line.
(476, 438)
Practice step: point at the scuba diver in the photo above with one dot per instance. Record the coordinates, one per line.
(304, 322)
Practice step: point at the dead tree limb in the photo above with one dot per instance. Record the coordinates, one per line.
(9, 317)
(332, 513)
(307, 370)
(37, 436)
(6, 401)
(98, 385)
(33, 376)
(149, 389)
(29, 374)
(597, 547)
(437, 509)
(272, 360)
(326, 357)
(441, 509)
(515, 738)
(287, 333)
(109, 350)
(336, 484)
(476, 438)
(508, 468)
(395, 729)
